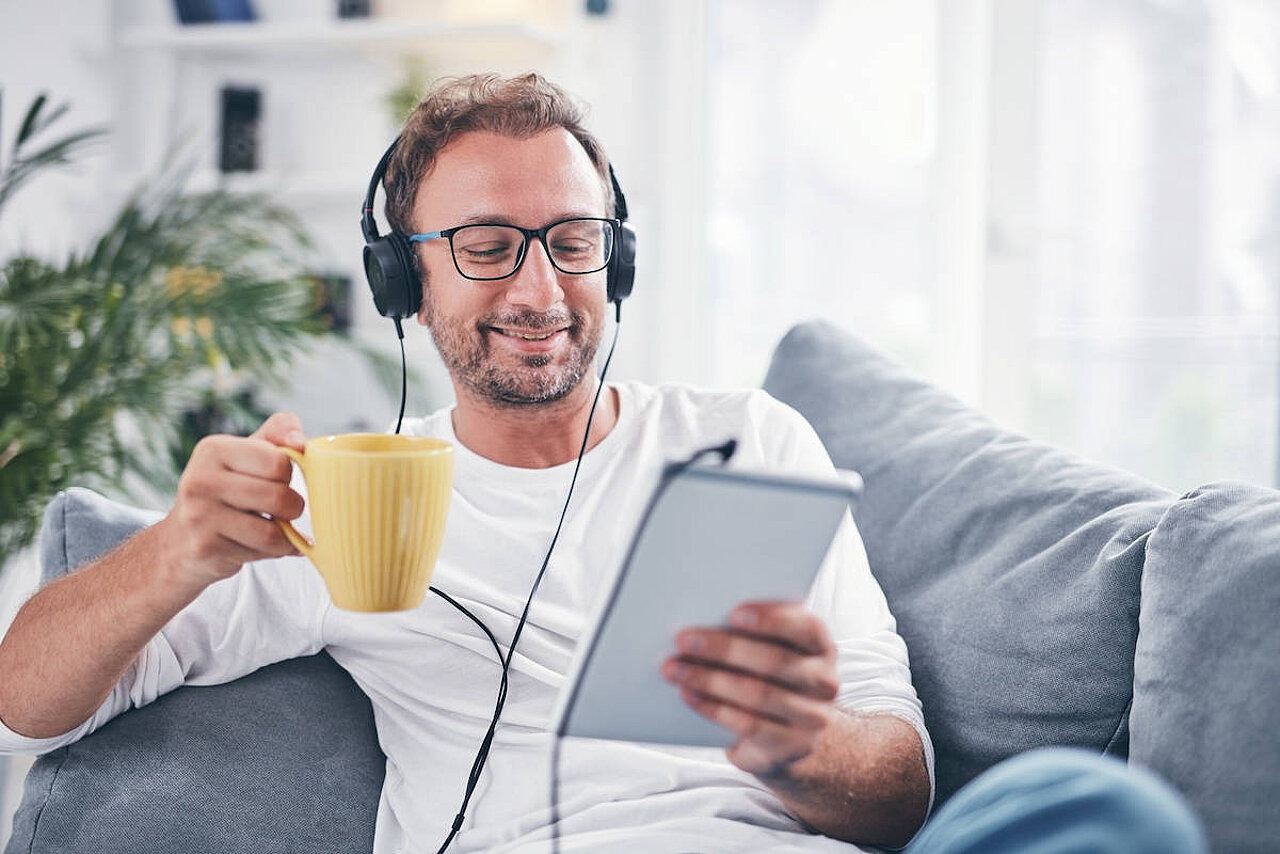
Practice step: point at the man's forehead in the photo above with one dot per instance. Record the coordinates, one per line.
(512, 178)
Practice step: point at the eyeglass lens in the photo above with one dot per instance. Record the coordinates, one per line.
(494, 251)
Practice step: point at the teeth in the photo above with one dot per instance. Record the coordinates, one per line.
(527, 337)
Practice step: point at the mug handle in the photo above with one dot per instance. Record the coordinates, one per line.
(291, 533)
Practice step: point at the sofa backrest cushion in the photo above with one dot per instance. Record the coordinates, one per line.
(1206, 707)
(284, 759)
(80, 525)
(1013, 568)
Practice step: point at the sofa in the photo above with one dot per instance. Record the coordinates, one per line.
(1044, 599)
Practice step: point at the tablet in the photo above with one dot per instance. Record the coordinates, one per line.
(711, 539)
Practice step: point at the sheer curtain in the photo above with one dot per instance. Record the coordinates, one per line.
(1156, 261)
(1065, 211)
(820, 146)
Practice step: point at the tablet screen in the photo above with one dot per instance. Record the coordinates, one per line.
(711, 539)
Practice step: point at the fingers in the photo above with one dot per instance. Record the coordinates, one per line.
(253, 457)
(257, 456)
(771, 679)
(256, 495)
(811, 675)
(765, 746)
(785, 622)
(779, 642)
(282, 428)
(216, 523)
(248, 536)
(747, 695)
(213, 540)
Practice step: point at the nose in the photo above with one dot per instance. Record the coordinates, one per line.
(536, 285)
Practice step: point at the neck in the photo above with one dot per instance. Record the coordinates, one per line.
(538, 436)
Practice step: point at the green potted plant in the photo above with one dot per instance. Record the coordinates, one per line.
(114, 358)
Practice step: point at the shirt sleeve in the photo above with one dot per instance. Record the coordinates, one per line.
(875, 675)
(269, 611)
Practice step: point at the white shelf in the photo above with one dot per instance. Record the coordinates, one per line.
(288, 183)
(255, 36)
(319, 186)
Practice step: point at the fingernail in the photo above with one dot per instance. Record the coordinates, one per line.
(691, 642)
(675, 671)
(296, 437)
(744, 619)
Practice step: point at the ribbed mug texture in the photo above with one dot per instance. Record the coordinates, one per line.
(378, 508)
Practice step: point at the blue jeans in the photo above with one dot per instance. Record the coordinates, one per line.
(1062, 801)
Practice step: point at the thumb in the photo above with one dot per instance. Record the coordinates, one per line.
(282, 428)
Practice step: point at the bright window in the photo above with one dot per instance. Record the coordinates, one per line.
(821, 143)
(1110, 167)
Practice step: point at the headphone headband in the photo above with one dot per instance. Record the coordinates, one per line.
(369, 226)
(619, 198)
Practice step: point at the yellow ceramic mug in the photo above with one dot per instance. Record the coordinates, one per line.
(378, 506)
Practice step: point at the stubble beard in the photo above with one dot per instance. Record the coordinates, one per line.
(535, 381)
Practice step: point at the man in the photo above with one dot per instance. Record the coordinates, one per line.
(830, 736)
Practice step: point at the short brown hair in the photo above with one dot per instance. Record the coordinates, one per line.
(519, 107)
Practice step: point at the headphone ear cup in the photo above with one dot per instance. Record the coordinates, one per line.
(412, 282)
(622, 267)
(388, 267)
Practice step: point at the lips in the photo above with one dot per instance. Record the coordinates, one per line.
(527, 335)
(530, 340)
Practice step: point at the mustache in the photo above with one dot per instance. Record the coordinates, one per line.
(533, 319)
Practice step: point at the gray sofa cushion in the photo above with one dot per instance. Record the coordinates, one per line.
(1206, 709)
(1013, 568)
(291, 746)
(95, 526)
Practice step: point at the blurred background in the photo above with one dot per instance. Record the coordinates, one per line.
(1065, 212)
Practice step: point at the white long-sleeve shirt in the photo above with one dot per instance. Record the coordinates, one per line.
(432, 676)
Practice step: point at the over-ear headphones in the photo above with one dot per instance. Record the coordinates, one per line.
(389, 267)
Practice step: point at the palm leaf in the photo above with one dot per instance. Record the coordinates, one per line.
(104, 355)
(22, 167)
(32, 123)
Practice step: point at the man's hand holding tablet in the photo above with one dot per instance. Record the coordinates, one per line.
(769, 678)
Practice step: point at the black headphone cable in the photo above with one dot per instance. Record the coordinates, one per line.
(726, 451)
(482, 755)
(404, 375)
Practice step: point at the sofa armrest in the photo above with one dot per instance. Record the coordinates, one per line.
(1206, 702)
(284, 759)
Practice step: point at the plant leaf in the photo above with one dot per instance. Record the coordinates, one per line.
(22, 167)
(29, 121)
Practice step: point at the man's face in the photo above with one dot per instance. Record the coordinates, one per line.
(483, 328)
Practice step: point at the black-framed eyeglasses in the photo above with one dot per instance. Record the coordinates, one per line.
(488, 251)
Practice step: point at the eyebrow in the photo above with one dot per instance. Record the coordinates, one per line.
(502, 219)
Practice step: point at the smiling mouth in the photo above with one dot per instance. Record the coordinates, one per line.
(527, 336)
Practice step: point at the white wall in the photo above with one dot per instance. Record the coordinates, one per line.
(60, 47)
